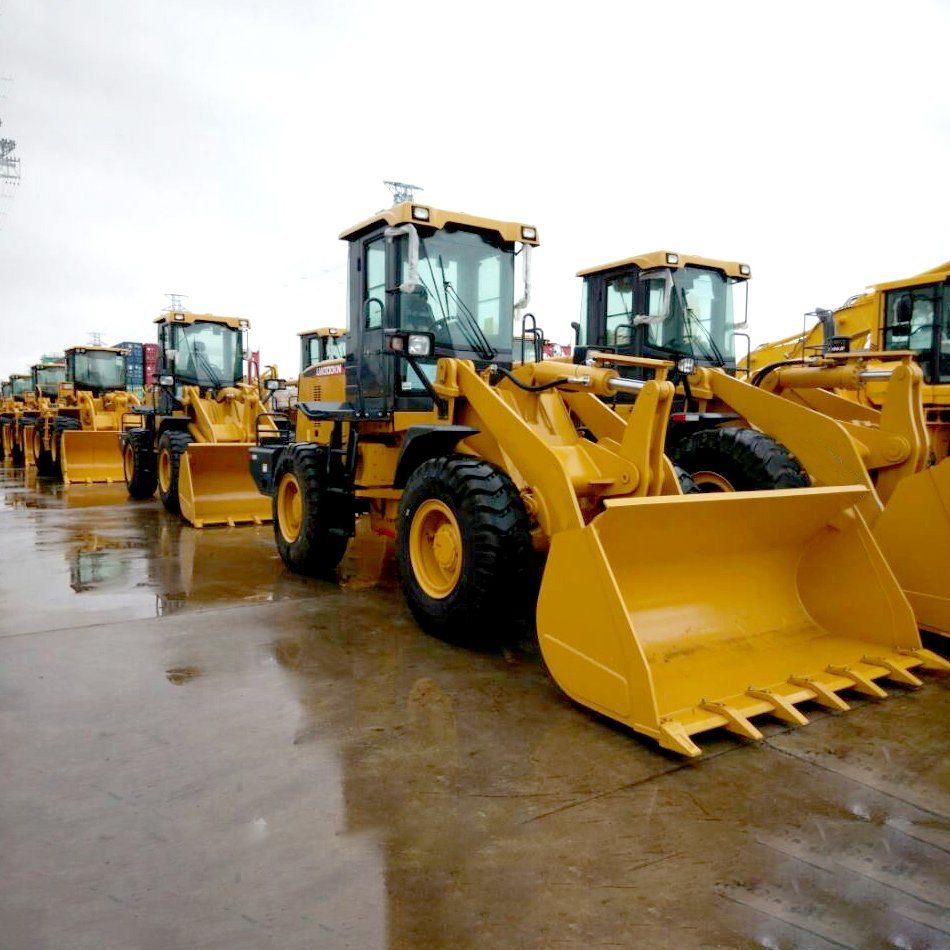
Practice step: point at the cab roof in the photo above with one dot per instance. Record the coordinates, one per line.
(935, 274)
(97, 349)
(178, 316)
(57, 365)
(675, 260)
(324, 331)
(411, 212)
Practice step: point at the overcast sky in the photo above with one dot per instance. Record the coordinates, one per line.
(216, 148)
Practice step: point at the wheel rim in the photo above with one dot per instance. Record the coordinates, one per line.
(128, 463)
(435, 548)
(289, 508)
(37, 444)
(164, 470)
(711, 482)
(54, 445)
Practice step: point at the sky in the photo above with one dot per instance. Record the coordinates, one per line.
(217, 148)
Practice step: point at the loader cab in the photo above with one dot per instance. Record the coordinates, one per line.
(665, 305)
(446, 278)
(316, 346)
(917, 317)
(20, 385)
(199, 350)
(6, 390)
(46, 378)
(96, 369)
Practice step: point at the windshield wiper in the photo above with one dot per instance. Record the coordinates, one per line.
(713, 353)
(208, 367)
(473, 332)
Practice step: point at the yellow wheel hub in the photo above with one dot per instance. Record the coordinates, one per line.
(435, 548)
(37, 444)
(164, 470)
(289, 508)
(711, 481)
(128, 463)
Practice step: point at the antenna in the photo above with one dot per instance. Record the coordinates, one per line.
(95, 339)
(401, 191)
(175, 304)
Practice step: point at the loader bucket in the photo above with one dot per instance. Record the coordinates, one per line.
(215, 486)
(89, 456)
(679, 614)
(913, 531)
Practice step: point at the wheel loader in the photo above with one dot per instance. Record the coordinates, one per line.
(77, 439)
(729, 435)
(22, 399)
(45, 379)
(517, 498)
(192, 441)
(909, 314)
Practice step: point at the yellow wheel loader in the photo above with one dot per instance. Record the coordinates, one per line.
(322, 359)
(20, 403)
(77, 438)
(46, 378)
(192, 442)
(489, 475)
(730, 435)
(909, 314)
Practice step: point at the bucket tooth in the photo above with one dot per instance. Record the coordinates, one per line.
(735, 721)
(928, 659)
(824, 694)
(673, 736)
(894, 670)
(860, 681)
(781, 707)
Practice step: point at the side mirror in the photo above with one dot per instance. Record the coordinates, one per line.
(576, 327)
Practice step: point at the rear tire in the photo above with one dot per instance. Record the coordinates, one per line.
(738, 460)
(467, 566)
(171, 446)
(308, 537)
(138, 466)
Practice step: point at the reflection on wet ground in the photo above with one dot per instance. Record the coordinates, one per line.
(200, 749)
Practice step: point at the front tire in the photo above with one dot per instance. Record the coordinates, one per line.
(138, 466)
(467, 566)
(171, 447)
(309, 538)
(739, 460)
(59, 425)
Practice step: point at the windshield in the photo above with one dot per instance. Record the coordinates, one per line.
(209, 354)
(918, 318)
(6, 390)
(97, 369)
(335, 349)
(701, 318)
(465, 294)
(48, 378)
(21, 385)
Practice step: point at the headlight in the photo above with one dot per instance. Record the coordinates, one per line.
(244, 324)
(745, 270)
(420, 213)
(166, 380)
(529, 234)
(686, 365)
(420, 344)
(672, 258)
(179, 318)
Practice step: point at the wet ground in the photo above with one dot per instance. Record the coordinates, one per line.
(198, 749)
